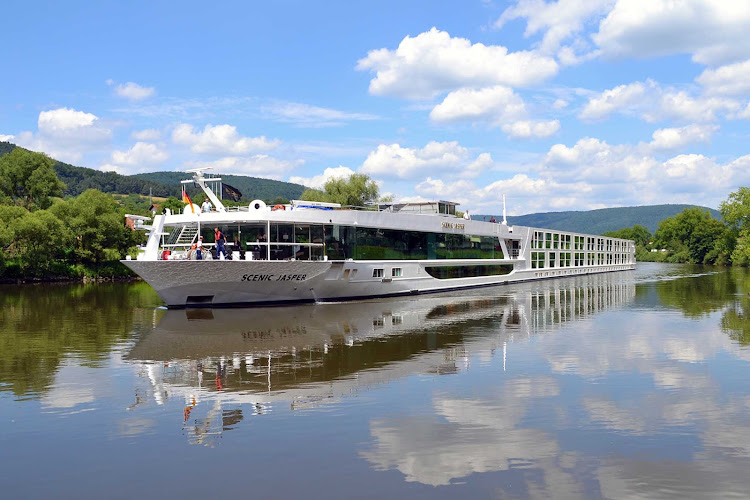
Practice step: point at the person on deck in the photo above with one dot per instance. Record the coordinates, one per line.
(206, 207)
(467, 216)
(199, 248)
(220, 240)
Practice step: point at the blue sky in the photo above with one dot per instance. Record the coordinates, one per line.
(560, 105)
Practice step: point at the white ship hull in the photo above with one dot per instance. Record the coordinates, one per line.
(218, 283)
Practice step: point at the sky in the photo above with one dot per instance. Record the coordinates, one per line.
(559, 105)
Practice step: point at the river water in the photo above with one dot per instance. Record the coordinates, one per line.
(621, 385)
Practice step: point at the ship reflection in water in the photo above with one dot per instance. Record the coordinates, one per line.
(228, 363)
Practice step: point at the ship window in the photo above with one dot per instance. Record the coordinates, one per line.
(451, 272)
(301, 233)
(537, 260)
(396, 272)
(377, 273)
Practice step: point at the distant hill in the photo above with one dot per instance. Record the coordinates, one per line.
(162, 184)
(79, 179)
(252, 188)
(601, 220)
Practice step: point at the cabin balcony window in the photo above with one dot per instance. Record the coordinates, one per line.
(364, 243)
(396, 272)
(377, 273)
(451, 272)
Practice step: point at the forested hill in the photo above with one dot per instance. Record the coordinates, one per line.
(602, 220)
(79, 179)
(252, 188)
(164, 184)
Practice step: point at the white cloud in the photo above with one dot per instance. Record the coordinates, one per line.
(526, 128)
(560, 104)
(220, 140)
(635, 174)
(312, 116)
(558, 20)
(6, 138)
(394, 161)
(65, 134)
(318, 181)
(594, 161)
(259, 165)
(434, 62)
(142, 153)
(618, 98)
(454, 190)
(150, 134)
(732, 79)
(712, 31)
(63, 120)
(673, 138)
(132, 91)
(682, 106)
(496, 104)
(650, 102)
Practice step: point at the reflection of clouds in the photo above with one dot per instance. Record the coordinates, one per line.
(74, 386)
(67, 396)
(135, 426)
(434, 452)
(613, 417)
(466, 436)
(681, 350)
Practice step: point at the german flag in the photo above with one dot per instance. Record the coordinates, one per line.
(186, 199)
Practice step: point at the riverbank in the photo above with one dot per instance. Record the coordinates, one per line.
(60, 272)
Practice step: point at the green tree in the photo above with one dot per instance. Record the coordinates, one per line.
(29, 179)
(691, 236)
(97, 226)
(173, 204)
(40, 241)
(357, 190)
(736, 213)
(641, 235)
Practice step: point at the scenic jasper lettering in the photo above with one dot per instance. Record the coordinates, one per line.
(273, 277)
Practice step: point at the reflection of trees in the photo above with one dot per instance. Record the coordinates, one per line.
(736, 319)
(727, 289)
(700, 295)
(40, 326)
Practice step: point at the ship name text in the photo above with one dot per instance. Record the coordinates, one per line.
(274, 277)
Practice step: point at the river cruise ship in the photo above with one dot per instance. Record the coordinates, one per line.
(317, 252)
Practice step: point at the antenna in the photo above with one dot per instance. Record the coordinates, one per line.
(505, 221)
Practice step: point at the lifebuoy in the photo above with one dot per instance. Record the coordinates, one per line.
(279, 207)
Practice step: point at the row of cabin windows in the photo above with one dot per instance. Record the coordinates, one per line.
(555, 241)
(314, 241)
(380, 273)
(540, 260)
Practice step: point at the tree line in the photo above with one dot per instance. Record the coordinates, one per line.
(44, 236)
(694, 236)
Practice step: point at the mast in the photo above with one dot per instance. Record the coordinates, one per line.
(199, 179)
(505, 221)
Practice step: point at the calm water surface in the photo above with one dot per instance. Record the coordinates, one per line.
(623, 385)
